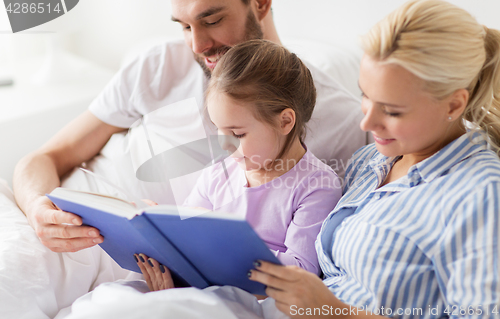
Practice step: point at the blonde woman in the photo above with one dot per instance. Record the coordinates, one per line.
(416, 232)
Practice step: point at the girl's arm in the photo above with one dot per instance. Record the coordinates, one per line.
(316, 198)
(198, 197)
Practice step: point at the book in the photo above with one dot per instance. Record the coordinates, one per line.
(200, 249)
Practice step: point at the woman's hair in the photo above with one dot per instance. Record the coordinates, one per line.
(269, 79)
(445, 46)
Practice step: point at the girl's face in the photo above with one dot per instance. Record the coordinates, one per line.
(259, 143)
(403, 118)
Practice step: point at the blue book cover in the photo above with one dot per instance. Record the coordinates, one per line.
(202, 248)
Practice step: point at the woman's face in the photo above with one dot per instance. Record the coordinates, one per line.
(257, 143)
(403, 118)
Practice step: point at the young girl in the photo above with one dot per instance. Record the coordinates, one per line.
(262, 96)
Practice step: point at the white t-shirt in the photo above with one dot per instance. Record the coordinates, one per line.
(167, 77)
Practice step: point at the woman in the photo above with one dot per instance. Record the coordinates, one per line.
(415, 234)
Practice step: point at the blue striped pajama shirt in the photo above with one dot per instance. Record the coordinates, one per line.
(424, 245)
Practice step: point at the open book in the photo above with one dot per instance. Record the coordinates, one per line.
(208, 248)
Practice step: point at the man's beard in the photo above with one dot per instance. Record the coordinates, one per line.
(252, 31)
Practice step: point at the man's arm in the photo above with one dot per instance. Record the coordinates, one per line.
(40, 172)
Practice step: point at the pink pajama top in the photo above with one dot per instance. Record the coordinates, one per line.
(286, 212)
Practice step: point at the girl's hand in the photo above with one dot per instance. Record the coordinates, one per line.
(147, 202)
(294, 288)
(150, 202)
(157, 276)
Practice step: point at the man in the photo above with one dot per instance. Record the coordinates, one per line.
(166, 75)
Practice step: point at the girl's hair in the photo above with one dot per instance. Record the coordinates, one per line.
(446, 47)
(271, 79)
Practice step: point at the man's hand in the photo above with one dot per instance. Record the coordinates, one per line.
(157, 276)
(61, 231)
(40, 172)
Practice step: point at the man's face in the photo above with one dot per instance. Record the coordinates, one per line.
(211, 27)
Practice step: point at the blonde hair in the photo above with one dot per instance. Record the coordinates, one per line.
(271, 79)
(445, 46)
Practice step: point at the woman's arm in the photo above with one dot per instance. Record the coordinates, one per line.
(466, 258)
(298, 293)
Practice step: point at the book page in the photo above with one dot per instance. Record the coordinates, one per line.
(191, 212)
(110, 204)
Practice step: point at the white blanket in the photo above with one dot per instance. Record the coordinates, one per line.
(36, 282)
(127, 300)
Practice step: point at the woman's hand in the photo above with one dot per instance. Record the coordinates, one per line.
(157, 276)
(294, 288)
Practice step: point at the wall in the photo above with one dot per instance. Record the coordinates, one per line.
(338, 21)
(102, 30)
(107, 36)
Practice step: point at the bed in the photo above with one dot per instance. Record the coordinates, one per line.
(38, 283)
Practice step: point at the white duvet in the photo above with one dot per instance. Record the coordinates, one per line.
(126, 299)
(38, 283)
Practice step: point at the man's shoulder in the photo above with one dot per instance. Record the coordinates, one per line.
(168, 67)
(331, 95)
(333, 131)
(327, 84)
(172, 46)
(172, 54)
(175, 48)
